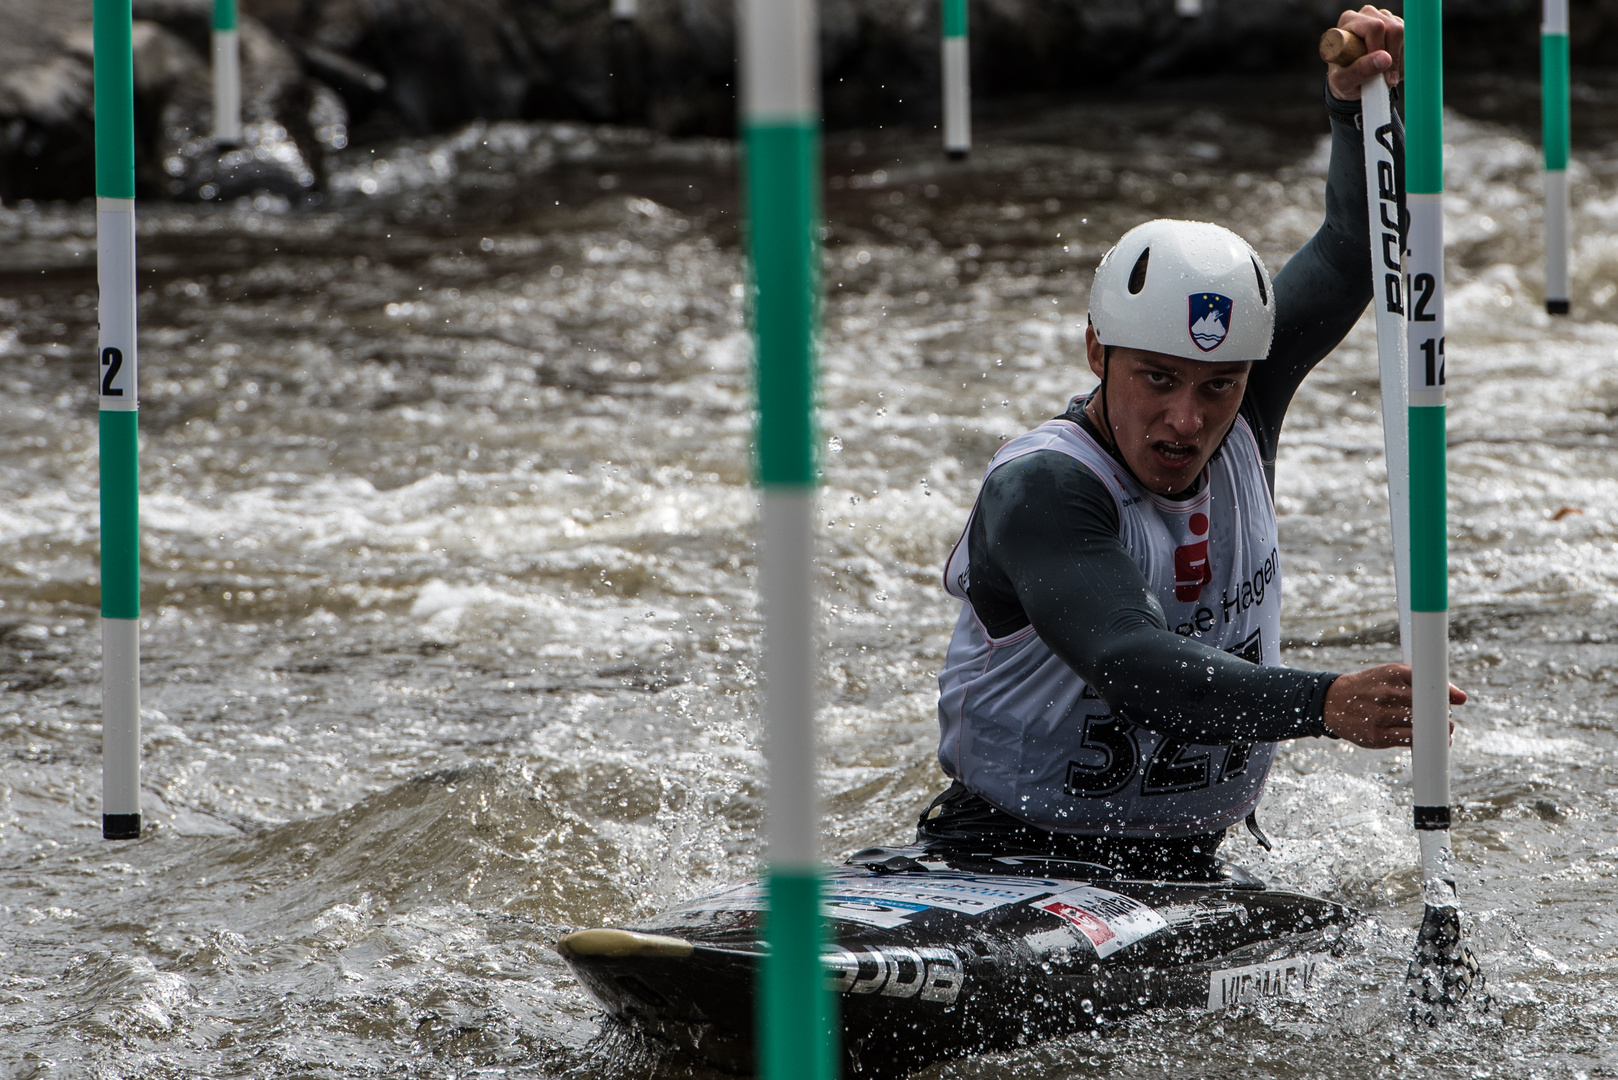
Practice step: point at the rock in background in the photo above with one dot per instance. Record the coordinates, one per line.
(321, 73)
(47, 128)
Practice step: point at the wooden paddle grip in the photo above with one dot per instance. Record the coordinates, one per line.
(1341, 47)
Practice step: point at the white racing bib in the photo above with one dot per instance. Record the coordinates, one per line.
(1023, 730)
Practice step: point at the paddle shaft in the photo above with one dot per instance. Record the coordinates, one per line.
(1388, 301)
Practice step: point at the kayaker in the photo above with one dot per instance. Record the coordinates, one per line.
(1113, 688)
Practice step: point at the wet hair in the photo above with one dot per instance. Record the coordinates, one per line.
(1106, 418)
(1106, 350)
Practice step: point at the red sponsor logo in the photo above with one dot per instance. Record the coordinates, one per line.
(1097, 931)
(1191, 571)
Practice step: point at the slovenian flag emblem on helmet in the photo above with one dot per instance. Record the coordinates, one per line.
(1210, 319)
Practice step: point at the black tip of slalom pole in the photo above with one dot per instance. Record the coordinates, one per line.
(956, 155)
(120, 826)
(1556, 307)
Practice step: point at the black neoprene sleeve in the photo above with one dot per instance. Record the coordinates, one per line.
(1044, 547)
(1043, 530)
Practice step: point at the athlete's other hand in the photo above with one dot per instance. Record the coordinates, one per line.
(1371, 708)
(1384, 35)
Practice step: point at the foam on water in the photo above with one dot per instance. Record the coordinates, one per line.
(451, 636)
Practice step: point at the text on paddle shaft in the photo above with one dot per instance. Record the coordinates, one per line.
(1392, 245)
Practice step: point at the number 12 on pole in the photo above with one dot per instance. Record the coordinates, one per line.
(1427, 316)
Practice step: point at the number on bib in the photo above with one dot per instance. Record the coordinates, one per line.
(1175, 766)
(1113, 738)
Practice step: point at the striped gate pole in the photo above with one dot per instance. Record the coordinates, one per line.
(227, 74)
(957, 69)
(781, 130)
(1188, 9)
(1553, 53)
(120, 482)
(624, 10)
(1429, 547)
(1443, 970)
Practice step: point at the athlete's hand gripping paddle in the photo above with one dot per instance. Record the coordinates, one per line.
(1443, 968)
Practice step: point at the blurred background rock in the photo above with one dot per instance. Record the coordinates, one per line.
(321, 74)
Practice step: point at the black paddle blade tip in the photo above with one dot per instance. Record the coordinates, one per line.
(120, 826)
(1444, 975)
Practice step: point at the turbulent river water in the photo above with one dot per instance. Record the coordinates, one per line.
(450, 634)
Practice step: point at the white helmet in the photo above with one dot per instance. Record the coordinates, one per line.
(1185, 288)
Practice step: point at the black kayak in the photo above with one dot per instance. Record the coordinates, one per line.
(940, 955)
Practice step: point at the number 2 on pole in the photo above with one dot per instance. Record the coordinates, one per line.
(1433, 356)
(1422, 288)
(113, 360)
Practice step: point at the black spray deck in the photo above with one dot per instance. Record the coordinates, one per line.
(945, 955)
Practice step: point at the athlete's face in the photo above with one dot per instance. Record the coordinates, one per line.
(1167, 414)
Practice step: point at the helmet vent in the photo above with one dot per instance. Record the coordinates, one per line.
(1263, 296)
(1137, 276)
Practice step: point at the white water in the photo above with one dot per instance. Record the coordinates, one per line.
(449, 619)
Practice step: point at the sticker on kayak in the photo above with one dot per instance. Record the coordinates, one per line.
(891, 901)
(1255, 982)
(862, 909)
(1109, 920)
(929, 973)
(745, 897)
(969, 894)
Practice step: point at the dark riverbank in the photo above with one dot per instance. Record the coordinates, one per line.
(320, 76)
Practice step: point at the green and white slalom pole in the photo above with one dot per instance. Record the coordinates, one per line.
(1188, 9)
(115, 378)
(624, 10)
(781, 129)
(227, 74)
(1388, 301)
(957, 72)
(1553, 54)
(1443, 968)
